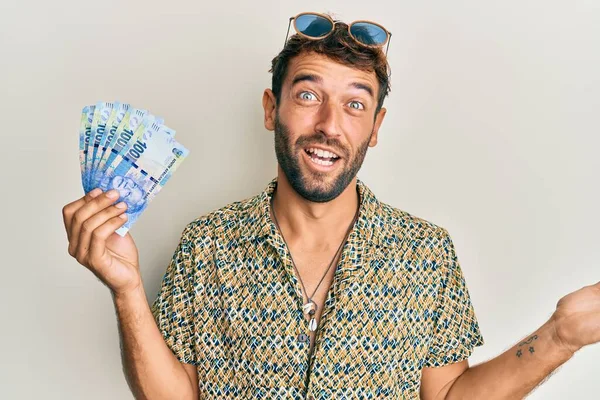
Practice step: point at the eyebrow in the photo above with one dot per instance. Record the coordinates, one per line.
(364, 87)
(319, 80)
(307, 77)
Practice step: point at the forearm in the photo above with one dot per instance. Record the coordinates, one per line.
(516, 372)
(151, 369)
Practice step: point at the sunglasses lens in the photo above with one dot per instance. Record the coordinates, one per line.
(369, 34)
(313, 25)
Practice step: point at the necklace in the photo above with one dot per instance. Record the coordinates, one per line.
(310, 307)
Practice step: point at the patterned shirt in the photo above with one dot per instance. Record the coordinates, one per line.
(231, 304)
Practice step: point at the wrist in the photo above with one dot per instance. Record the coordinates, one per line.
(559, 337)
(132, 293)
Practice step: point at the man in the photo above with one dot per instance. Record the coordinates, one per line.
(313, 288)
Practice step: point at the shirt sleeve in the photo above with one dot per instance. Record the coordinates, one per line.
(173, 309)
(456, 330)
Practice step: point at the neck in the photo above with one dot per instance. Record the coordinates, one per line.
(315, 226)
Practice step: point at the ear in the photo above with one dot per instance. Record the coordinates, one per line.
(378, 120)
(269, 104)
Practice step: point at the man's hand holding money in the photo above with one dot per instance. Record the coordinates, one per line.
(90, 223)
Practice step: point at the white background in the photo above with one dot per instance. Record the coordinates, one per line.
(491, 132)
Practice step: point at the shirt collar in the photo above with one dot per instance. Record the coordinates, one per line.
(371, 226)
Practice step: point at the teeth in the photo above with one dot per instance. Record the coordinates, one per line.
(322, 153)
(321, 162)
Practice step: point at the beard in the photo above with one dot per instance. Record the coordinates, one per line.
(314, 186)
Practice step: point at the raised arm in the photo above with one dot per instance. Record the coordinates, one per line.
(516, 372)
(151, 369)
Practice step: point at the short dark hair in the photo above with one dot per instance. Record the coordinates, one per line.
(339, 46)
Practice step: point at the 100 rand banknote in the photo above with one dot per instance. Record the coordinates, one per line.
(102, 113)
(85, 130)
(143, 170)
(118, 112)
(116, 142)
(121, 140)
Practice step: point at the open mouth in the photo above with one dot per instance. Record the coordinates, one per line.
(321, 157)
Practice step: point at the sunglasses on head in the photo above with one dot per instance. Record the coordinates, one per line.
(318, 26)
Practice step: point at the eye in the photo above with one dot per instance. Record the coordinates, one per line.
(357, 105)
(306, 95)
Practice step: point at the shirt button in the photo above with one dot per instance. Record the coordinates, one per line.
(311, 398)
(302, 338)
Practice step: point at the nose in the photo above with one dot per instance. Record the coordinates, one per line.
(329, 119)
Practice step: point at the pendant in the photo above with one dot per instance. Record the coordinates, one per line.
(312, 326)
(309, 308)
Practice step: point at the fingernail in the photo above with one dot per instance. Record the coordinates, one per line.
(121, 204)
(112, 194)
(123, 216)
(95, 192)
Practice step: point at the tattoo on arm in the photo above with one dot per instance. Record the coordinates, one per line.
(528, 341)
(531, 339)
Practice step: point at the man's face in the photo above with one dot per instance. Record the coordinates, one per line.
(129, 191)
(324, 125)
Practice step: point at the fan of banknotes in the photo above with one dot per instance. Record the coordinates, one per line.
(127, 149)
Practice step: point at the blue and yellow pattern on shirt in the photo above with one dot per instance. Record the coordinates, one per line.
(231, 304)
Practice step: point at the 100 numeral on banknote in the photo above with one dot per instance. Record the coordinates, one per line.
(129, 150)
